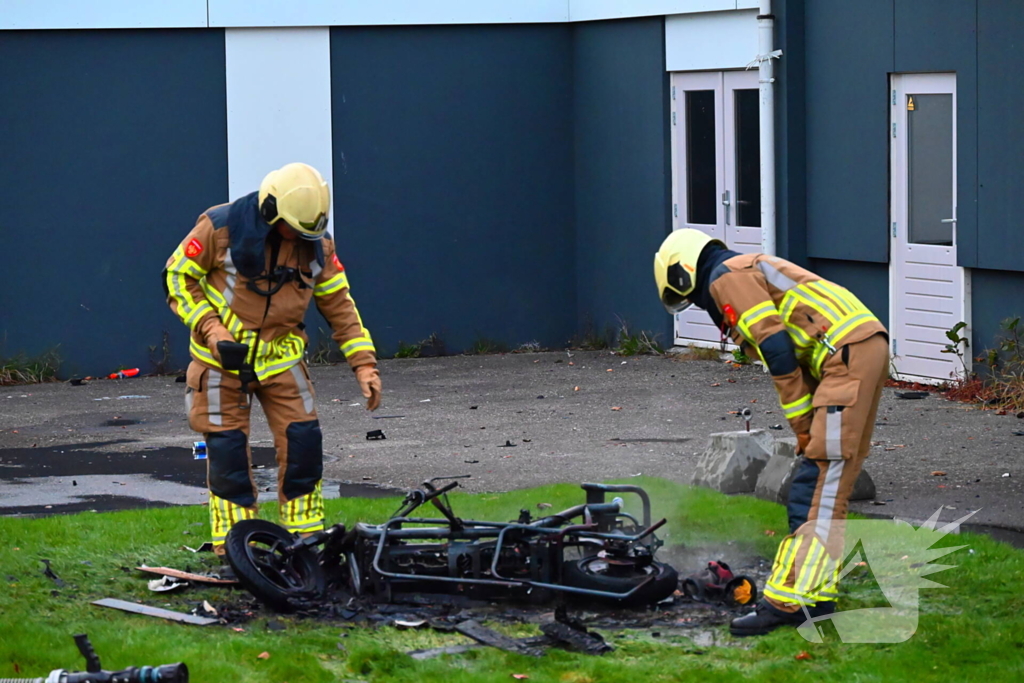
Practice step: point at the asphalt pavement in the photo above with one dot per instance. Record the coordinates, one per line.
(511, 421)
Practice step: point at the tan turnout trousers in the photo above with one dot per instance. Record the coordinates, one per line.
(218, 408)
(807, 564)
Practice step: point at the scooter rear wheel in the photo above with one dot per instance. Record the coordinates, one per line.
(596, 573)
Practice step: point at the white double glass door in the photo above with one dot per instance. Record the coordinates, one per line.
(716, 170)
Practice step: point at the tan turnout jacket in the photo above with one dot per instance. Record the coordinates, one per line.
(760, 296)
(208, 293)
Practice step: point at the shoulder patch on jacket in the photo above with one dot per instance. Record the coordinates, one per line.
(193, 248)
(337, 261)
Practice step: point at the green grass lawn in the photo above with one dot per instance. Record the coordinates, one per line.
(973, 630)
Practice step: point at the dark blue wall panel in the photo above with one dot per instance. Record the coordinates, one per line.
(790, 132)
(850, 56)
(997, 295)
(113, 143)
(1000, 134)
(453, 180)
(868, 281)
(941, 35)
(623, 172)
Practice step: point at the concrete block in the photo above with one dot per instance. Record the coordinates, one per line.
(733, 461)
(773, 482)
(775, 479)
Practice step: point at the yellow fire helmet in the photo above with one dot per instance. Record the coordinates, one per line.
(298, 195)
(675, 267)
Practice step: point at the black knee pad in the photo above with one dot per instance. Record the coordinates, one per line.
(229, 467)
(801, 492)
(305, 458)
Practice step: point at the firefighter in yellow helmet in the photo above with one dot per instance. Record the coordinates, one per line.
(829, 358)
(242, 280)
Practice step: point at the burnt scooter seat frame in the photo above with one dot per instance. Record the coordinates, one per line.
(522, 560)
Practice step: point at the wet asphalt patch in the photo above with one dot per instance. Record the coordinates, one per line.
(100, 475)
(68, 460)
(106, 502)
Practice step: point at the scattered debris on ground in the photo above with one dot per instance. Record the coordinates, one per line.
(158, 612)
(188, 576)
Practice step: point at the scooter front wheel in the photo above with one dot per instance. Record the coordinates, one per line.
(281, 579)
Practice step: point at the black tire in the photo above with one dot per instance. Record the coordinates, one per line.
(280, 581)
(590, 573)
(692, 589)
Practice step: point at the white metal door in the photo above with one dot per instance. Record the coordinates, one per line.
(716, 170)
(929, 293)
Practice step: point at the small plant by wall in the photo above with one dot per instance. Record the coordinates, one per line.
(160, 356)
(23, 369)
(637, 343)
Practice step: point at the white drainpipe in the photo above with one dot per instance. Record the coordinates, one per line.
(766, 80)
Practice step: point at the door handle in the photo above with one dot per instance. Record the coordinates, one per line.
(726, 203)
(949, 220)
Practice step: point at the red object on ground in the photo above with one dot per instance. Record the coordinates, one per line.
(124, 373)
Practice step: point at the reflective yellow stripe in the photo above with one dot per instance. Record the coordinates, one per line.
(353, 346)
(799, 407)
(838, 332)
(223, 514)
(366, 332)
(830, 299)
(818, 359)
(306, 513)
(837, 294)
(799, 337)
(813, 563)
(753, 315)
(202, 353)
(787, 553)
(279, 355)
(759, 312)
(197, 314)
(808, 299)
(336, 283)
(212, 294)
(231, 321)
(783, 594)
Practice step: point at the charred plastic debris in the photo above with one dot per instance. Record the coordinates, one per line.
(450, 574)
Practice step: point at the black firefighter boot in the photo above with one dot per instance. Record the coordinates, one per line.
(766, 618)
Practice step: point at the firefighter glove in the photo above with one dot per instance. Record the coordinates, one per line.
(802, 441)
(369, 381)
(214, 332)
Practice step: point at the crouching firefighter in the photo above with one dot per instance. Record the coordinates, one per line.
(242, 281)
(829, 358)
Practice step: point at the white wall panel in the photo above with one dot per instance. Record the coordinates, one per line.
(278, 103)
(710, 41)
(35, 14)
(384, 12)
(591, 10)
(86, 14)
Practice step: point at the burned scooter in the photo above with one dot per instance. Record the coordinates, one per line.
(594, 551)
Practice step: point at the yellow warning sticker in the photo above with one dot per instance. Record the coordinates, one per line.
(910, 103)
